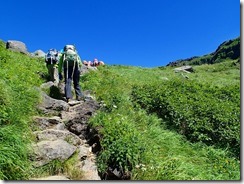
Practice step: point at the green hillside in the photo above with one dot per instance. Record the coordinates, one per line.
(227, 50)
(154, 124)
(162, 126)
(18, 98)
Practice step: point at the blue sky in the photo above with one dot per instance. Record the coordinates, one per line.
(146, 33)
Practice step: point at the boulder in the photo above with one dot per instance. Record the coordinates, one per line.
(46, 151)
(49, 103)
(16, 46)
(39, 53)
(53, 122)
(187, 69)
(53, 135)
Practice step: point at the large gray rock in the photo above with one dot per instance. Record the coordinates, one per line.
(53, 122)
(39, 53)
(52, 104)
(46, 151)
(53, 135)
(187, 69)
(16, 46)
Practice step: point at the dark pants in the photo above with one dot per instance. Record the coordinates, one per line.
(72, 74)
(53, 73)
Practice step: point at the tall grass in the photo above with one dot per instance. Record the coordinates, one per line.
(140, 142)
(18, 98)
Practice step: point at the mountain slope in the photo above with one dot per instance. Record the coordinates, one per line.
(142, 124)
(227, 50)
(153, 121)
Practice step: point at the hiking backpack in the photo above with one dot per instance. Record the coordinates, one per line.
(52, 56)
(69, 47)
(70, 57)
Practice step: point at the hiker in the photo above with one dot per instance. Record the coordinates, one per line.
(85, 63)
(70, 62)
(95, 63)
(51, 59)
(89, 63)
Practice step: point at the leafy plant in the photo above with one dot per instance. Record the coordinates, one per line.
(153, 105)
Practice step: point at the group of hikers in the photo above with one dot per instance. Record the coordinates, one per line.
(66, 64)
(95, 62)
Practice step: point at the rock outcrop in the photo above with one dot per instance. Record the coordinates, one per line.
(16, 46)
(38, 53)
(187, 69)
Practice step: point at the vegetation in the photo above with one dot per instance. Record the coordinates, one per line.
(162, 126)
(18, 98)
(155, 124)
(227, 50)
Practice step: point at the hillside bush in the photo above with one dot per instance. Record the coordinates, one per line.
(146, 144)
(199, 112)
(18, 99)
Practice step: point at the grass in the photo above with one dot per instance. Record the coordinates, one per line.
(18, 98)
(153, 152)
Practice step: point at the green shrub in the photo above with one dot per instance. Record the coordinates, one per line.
(200, 112)
(157, 151)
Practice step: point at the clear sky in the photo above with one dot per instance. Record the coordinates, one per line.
(146, 33)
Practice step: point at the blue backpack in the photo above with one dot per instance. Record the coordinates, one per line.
(52, 56)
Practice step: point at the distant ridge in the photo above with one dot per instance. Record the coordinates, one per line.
(227, 50)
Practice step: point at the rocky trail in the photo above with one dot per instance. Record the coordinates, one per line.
(63, 131)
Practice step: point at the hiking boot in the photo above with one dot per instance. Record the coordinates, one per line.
(68, 100)
(80, 98)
